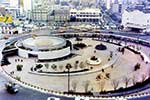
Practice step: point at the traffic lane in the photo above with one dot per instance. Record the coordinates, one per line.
(24, 93)
(141, 98)
(28, 94)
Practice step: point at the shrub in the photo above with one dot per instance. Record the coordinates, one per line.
(31, 68)
(80, 45)
(101, 47)
(35, 69)
(38, 66)
(103, 70)
(53, 66)
(46, 65)
(137, 66)
(108, 75)
(81, 65)
(18, 78)
(19, 67)
(93, 58)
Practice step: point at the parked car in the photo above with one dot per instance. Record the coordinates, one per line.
(53, 98)
(11, 88)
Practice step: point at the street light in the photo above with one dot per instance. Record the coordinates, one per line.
(68, 66)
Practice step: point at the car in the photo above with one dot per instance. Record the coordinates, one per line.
(11, 88)
(111, 32)
(53, 98)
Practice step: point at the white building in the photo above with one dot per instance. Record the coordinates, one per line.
(86, 15)
(136, 20)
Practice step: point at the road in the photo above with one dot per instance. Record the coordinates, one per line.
(23, 94)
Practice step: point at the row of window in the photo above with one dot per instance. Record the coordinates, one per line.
(88, 13)
(87, 20)
(147, 20)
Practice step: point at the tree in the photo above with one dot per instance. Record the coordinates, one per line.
(143, 77)
(68, 67)
(39, 66)
(126, 81)
(74, 85)
(134, 81)
(111, 54)
(103, 70)
(53, 66)
(107, 75)
(46, 65)
(137, 66)
(76, 64)
(115, 84)
(101, 85)
(19, 67)
(61, 67)
(81, 65)
(149, 72)
(18, 78)
(123, 50)
(86, 85)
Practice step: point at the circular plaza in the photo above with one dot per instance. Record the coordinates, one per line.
(79, 63)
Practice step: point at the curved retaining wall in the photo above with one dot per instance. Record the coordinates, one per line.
(45, 55)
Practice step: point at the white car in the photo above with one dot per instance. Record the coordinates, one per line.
(53, 98)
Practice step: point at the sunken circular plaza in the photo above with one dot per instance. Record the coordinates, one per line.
(43, 47)
(101, 65)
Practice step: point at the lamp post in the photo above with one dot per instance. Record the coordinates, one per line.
(68, 66)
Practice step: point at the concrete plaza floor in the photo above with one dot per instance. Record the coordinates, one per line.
(123, 67)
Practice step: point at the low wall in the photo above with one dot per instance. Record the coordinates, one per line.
(43, 55)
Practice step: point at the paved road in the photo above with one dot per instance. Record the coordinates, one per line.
(23, 94)
(141, 98)
(26, 94)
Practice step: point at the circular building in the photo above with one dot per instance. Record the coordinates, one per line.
(44, 47)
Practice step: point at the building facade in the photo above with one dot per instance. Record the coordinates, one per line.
(61, 14)
(136, 20)
(85, 15)
(40, 15)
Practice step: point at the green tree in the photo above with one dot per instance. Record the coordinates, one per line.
(46, 65)
(19, 67)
